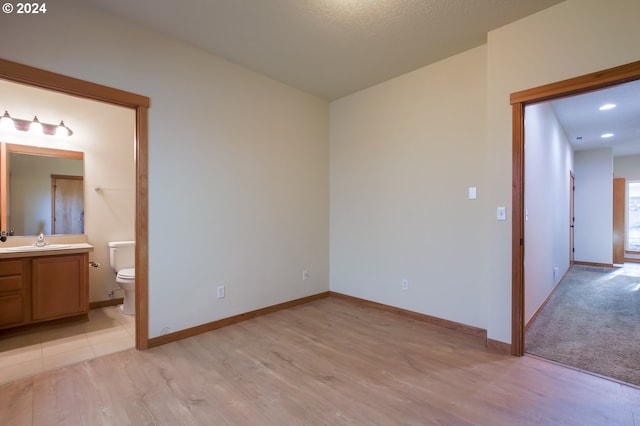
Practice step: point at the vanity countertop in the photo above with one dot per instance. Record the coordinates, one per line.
(47, 250)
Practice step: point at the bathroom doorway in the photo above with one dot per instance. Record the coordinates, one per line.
(34, 77)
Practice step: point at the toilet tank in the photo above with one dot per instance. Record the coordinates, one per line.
(122, 255)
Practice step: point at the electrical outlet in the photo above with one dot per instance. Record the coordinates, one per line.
(305, 275)
(220, 292)
(405, 284)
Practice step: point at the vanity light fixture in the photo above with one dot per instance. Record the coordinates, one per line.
(33, 126)
(606, 135)
(607, 107)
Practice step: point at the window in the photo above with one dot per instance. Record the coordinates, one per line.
(633, 216)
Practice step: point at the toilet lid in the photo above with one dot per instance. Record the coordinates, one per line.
(127, 273)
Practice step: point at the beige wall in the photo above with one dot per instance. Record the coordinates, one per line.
(238, 164)
(104, 133)
(403, 155)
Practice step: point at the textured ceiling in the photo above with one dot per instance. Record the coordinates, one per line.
(330, 48)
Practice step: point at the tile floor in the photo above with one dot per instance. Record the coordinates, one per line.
(107, 331)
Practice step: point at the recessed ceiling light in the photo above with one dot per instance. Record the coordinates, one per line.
(607, 106)
(606, 135)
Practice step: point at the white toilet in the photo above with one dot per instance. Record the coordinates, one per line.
(122, 256)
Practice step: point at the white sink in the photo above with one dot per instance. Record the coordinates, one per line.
(39, 248)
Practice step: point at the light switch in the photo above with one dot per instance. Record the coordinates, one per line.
(472, 193)
(501, 213)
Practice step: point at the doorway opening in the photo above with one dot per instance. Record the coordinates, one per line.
(519, 101)
(23, 74)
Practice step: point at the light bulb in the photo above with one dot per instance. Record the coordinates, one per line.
(62, 130)
(36, 127)
(6, 122)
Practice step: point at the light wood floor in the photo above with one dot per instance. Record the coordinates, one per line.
(326, 362)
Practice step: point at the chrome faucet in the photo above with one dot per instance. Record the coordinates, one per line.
(40, 241)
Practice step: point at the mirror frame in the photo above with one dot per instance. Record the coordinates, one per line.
(6, 149)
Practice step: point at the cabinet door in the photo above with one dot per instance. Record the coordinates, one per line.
(59, 286)
(14, 308)
(11, 312)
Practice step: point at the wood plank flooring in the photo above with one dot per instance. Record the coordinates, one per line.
(329, 362)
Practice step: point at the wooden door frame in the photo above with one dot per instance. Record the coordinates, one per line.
(572, 217)
(23, 74)
(619, 213)
(573, 86)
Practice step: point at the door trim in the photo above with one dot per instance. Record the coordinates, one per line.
(572, 217)
(573, 86)
(619, 212)
(36, 77)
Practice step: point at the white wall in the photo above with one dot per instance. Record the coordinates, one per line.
(573, 38)
(238, 163)
(594, 206)
(403, 155)
(104, 133)
(627, 167)
(548, 163)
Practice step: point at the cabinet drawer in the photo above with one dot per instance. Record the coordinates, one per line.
(10, 283)
(11, 267)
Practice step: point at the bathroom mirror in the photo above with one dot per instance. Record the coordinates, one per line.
(41, 190)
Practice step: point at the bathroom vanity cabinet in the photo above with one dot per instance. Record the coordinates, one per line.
(43, 287)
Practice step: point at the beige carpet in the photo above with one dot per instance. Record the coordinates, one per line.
(592, 322)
